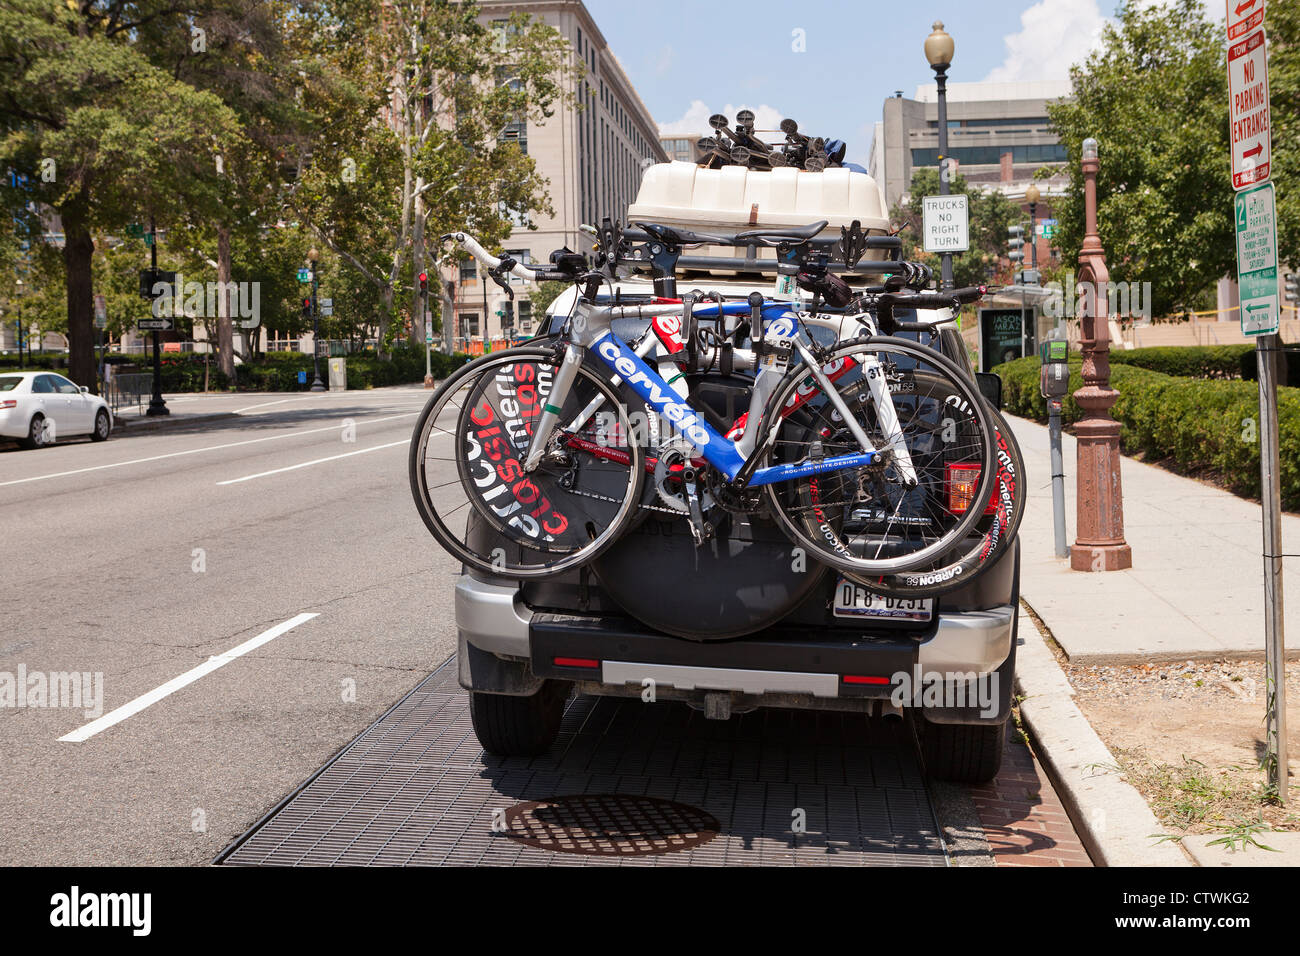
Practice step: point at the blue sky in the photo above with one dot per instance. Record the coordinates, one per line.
(739, 54)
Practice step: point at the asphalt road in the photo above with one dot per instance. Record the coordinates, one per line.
(146, 556)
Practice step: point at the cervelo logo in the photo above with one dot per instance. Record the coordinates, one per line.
(680, 415)
(782, 327)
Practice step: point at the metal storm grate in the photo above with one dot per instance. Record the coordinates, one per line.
(609, 824)
(772, 787)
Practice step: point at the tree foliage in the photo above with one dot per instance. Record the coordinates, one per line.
(1155, 97)
(991, 213)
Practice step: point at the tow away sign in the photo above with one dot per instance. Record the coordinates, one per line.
(945, 221)
(1256, 218)
(1248, 114)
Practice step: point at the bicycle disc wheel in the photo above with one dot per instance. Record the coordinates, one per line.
(983, 548)
(468, 480)
(873, 520)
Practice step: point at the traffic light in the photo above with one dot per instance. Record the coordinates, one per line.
(424, 283)
(1016, 242)
(1292, 287)
(306, 308)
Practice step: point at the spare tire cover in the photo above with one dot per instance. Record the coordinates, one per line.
(745, 578)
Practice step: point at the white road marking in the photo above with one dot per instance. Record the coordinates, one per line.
(318, 461)
(195, 451)
(249, 408)
(176, 683)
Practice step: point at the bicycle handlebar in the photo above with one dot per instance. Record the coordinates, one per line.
(521, 270)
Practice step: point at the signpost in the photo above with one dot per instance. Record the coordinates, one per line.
(1256, 227)
(304, 276)
(156, 324)
(1248, 118)
(945, 223)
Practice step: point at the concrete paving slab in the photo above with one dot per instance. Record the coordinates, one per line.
(1196, 589)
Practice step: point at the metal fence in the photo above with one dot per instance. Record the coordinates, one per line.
(129, 388)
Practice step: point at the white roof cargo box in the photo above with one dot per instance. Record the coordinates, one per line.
(733, 199)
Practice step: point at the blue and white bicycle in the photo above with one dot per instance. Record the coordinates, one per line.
(875, 454)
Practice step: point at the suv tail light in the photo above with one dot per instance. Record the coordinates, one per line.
(961, 478)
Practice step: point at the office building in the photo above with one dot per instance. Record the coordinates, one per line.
(594, 159)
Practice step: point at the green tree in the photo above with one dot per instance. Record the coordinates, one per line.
(104, 136)
(991, 213)
(1154, 96)
(422, 145)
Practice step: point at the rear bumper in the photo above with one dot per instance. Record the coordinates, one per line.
(783, 666)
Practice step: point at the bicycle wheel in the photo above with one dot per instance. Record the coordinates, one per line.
(983, 548)
(466, 462)
(873, 520)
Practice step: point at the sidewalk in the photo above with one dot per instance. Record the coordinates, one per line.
(1195, 592)
(1196, 588)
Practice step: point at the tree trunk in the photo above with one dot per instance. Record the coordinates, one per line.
(385, 320)
(418, 303)
(225, 324)
(77, 252)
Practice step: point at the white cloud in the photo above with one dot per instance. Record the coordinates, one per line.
(664, 60)
(1054, 34)
(695, 121)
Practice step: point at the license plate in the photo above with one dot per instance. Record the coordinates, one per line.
(854, 601)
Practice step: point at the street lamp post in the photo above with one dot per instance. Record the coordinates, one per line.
(939, 48)
(317, 385)
(1099, 525)
(157, 405)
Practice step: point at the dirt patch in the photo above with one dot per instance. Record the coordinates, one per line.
(1190, 737)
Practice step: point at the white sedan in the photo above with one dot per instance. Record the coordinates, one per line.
(39, 407)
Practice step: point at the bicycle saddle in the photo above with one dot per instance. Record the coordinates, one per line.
(679, 237)
(794, 234)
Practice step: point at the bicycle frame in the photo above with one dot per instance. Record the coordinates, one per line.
(590, 330)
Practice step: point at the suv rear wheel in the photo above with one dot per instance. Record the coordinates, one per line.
(511, 726)
(963, 753)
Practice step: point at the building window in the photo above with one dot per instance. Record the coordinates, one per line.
(469, 324)
(992, 155)
(516, 133)
(519, 255)
(468, 272)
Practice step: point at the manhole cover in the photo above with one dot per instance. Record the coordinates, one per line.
(609, 825)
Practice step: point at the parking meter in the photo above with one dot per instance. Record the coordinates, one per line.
(1054, 376)
(1054, 383)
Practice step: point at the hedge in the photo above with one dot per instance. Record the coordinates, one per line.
(1187, 361)
(1203, 426)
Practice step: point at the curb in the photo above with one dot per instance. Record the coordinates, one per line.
(163, 422)
(1110, 816)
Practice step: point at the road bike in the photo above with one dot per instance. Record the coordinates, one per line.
(547, 481)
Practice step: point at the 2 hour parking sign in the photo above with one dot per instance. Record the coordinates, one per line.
(1256, 218)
